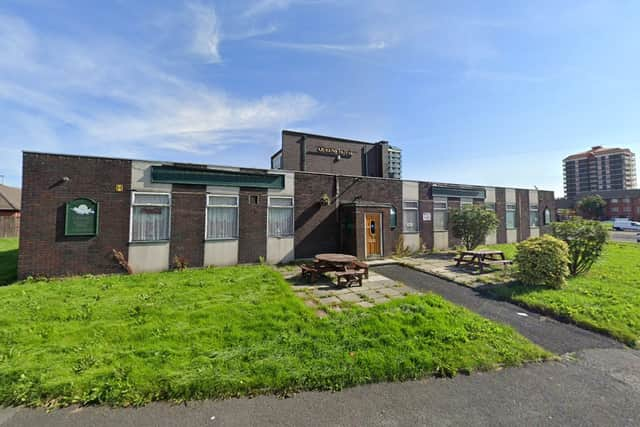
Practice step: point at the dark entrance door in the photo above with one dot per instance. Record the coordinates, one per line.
(373, 234)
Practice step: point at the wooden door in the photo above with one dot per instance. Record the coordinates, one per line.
(373, 234)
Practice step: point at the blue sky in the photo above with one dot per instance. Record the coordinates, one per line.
(489, 92)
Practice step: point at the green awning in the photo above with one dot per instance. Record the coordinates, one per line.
(178, 175)
(446, 191)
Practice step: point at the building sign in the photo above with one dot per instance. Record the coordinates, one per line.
(81, 218)
(332, 151)
(426, 216)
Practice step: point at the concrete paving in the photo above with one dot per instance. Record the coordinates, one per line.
(594, 388)
(555, 336)
(376, 289)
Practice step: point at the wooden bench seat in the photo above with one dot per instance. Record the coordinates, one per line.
(359, 265)
(308, 272)
(348, 278)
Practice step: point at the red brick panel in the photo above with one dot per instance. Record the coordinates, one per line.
(252, 243)
(188, 210)
(44, 249)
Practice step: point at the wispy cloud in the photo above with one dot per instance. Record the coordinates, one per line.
(133, 99)
(328, 47)
(261, 7)
(206, 31)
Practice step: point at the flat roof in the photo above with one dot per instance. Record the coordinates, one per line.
(248, 169)
(334, 138)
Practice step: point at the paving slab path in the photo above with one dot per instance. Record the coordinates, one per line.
(548, 333)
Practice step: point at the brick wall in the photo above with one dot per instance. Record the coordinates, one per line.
(522, 218)
(188, 213)
(252, 243)
(317, 226)
(300, 152)
(44, 249)
(501, 206)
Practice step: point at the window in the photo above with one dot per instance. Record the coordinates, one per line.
(547, 216)
(280, 216)
(626, 209)
(511, 216)
(465, 201)
(533, 215)
(614, 200)
(615, 209)
(150, 217)
(490, 206)
(410, 217)
(440, 213)
(393, 213)
(222, 217)
(626, 200)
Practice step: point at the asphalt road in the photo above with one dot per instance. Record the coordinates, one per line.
(596, 388)
(623, 236)
(555, 336)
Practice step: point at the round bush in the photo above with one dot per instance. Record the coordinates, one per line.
(543, 261)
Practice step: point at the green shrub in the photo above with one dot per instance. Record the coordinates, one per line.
(586, 240)
(472, 224)
(543, 261)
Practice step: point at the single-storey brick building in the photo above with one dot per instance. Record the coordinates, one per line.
(334, 196)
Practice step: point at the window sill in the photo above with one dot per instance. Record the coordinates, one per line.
(291, 236)
(411, 232)
(148, 242)
(223, 239)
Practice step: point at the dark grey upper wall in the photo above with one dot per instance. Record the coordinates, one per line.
(314, 153)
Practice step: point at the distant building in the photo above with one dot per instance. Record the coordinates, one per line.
(394, 162)
(599, 169)
(620, 203)
(9, 211)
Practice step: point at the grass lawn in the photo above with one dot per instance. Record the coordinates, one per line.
(223, 332)
(8, 260)
(605, 299)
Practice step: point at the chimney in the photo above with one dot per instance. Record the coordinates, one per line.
(596, 147)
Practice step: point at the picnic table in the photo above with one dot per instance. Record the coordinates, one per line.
(346, 267)
(482, 258)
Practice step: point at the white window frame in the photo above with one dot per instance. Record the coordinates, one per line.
(466, 201)
(445, 209)
(132, 205)
(206, 216)
(416, 209)
(292, 207)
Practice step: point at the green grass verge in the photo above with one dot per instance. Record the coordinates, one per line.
(214, 333)
(8, 260)
(606, 299)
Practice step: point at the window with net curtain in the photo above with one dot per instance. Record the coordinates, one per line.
(150, 217)
(222, 217)
(410, 216)
(280, 217)
(533, 215)
(440, 213)
(511, 216)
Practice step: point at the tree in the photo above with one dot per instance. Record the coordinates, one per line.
(591, 207)
(472, 224)
(586, 240)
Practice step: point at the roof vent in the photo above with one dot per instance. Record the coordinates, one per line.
(596, 147)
